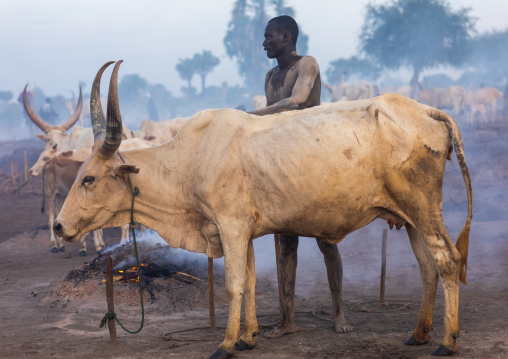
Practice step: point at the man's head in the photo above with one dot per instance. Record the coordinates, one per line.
(281, 34)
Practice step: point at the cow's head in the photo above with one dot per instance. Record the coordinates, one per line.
(52, 134)
(101, 194)
(46, 155)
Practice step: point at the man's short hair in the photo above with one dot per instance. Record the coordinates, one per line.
(286, 23)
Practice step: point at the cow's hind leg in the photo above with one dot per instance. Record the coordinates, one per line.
(250, 324)
(447, 259)
(428, 272)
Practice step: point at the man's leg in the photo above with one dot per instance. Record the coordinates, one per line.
(334, 270)
(288, 260)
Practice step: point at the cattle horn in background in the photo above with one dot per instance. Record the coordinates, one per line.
(33, 116)
(42, 124)
(72, 120)
(114, 119)
(96, 113)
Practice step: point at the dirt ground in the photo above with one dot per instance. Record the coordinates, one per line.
(44, 315)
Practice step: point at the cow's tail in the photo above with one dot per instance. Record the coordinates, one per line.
(43, 186)
(462, 244)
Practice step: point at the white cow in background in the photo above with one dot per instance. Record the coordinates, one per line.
(350, 92)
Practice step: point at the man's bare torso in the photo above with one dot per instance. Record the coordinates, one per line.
(280, 83)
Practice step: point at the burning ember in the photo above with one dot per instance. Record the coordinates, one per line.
(150, 270)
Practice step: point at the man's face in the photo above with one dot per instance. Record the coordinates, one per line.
(274, 41)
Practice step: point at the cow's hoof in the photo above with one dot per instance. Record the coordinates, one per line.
(82, 253)
(221, 354)
(442, 351)
(54, 250)
(413, 341)
(241, 345)
(61, 249)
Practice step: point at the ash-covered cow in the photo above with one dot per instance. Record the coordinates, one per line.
(229, 177)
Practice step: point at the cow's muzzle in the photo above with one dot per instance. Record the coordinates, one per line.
(60, 232)
(58, 228)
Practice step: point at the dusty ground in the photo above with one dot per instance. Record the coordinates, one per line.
(43, 315)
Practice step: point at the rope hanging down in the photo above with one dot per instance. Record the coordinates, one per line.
(111, 315)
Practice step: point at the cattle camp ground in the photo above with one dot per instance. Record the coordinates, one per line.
(51, 305)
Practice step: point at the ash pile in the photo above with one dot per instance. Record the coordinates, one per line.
(172, 280)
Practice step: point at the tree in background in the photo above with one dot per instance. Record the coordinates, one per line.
(244, 39)
(354, 67)
(203, 64)
(186, 71)
(131, 87)
(421, 34)
(6, 96)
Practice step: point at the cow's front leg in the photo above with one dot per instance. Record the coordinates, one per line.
(125, 234)
(235, 263)
(249, 340)
(82, 245)
(51, 218)
(97, 240)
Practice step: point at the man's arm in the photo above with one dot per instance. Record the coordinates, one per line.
(308, 71)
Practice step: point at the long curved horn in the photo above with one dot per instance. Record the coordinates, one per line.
(114, 121)
(33, 116)
(96, 113)
(72, 120)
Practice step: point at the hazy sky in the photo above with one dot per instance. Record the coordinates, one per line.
(56, 43)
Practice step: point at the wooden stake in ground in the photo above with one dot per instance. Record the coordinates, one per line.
(109, 297)
(211, 299)
(12, 174)
(26, 168)
(382, 303)
(277, 255)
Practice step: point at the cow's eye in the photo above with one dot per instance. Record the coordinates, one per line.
(45, 159)
(88, 180)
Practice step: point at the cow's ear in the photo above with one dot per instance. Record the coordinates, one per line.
(42, 137)
(67, 153)
(123, 170)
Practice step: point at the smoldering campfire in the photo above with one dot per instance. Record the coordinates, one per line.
(171, 279)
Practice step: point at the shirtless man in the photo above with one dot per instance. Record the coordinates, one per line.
(295, 84)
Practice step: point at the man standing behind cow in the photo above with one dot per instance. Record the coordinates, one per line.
(295, 84)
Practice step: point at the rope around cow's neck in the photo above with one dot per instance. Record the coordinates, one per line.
(111, 315)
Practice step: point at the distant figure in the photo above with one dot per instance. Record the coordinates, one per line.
(48, 114)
